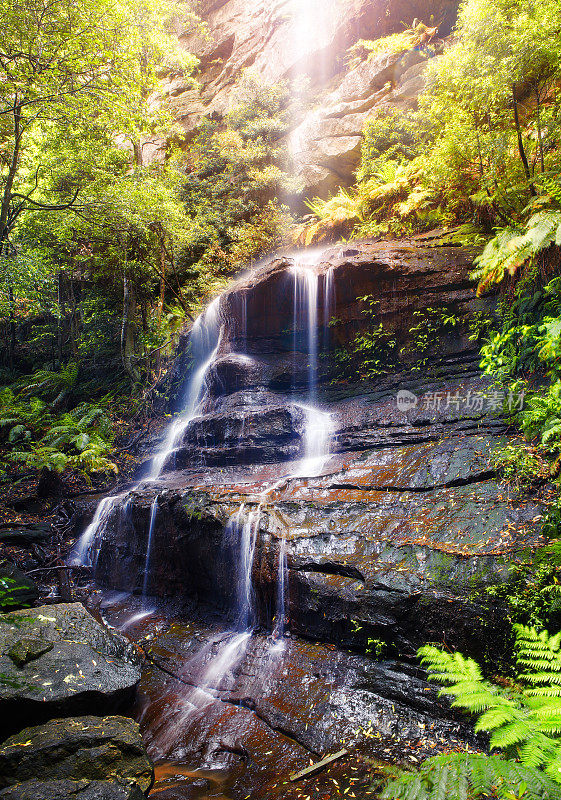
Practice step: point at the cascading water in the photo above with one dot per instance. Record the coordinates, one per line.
(81, 554)
(204, 341)
(153, 515)
(210, 668)
(318, 425)
(328, 304)
(306, 318)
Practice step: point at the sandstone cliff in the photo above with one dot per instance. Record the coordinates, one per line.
(288, 40)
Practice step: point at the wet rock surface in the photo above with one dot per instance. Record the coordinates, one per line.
(393, 541)
(81, 748)
(59, 661)
(406, 527)
(276, 707)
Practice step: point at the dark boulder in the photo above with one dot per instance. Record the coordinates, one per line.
(59, 661)
(16, 589)
(26, 535)
(83, 748)
(80, 790)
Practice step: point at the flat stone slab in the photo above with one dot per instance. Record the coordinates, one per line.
(58, 661)
(77, 749)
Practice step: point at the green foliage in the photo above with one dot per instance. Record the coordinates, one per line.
(542, 417)
(233, 175)
(430, 325)
(9, 588)
(81, 215)
(80, 439)
(388, 138)
(484, 147)
(368, 49)
(335, 217)
(372, 353)
(510, 249)
(521, 465)
(463, 776)
(523, 720)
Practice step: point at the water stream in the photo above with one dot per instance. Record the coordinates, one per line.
(217, 660)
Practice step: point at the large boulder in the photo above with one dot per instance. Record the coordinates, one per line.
(83, 748)
(58, 661)
(79, 790)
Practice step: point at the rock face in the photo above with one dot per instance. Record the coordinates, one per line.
(308, 43)
(275, 708)
(326, 145)
(58, 661)
(405, 528)
(80, 749)
(389, 539)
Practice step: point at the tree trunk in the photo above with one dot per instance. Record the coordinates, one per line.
(127, 333)
(521, 149)
(12, 171)
(12, 345)
(61, 316)
(539, 129)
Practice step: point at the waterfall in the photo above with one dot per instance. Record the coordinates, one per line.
(328, 304)
(153, 515)
(205, 342)
(215, 662)
(280, 622)
(318, 430)
(80, 555)
(241, 536)
(306, 317)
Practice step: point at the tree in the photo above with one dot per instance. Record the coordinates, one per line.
(71, 63)
(76, 103)
(486, 99)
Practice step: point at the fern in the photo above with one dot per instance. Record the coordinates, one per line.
(511, 248)
(523, 720)
(465, 775)
(80, 439)
(332, 216)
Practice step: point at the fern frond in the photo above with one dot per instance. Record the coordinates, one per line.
(463, 775)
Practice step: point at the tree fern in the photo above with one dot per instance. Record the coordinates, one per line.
(511, 248)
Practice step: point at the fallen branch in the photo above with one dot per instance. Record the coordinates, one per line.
(318, 767)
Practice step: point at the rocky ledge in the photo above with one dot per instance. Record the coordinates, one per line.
(405, 529)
